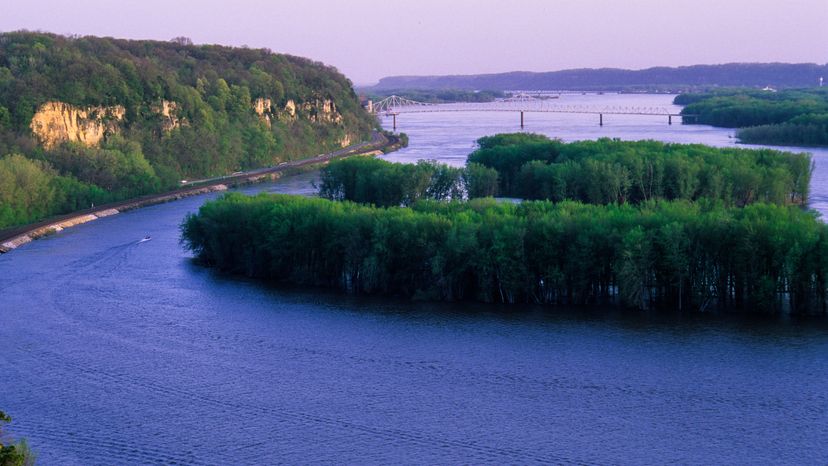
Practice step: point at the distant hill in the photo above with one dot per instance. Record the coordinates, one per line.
(779, 75)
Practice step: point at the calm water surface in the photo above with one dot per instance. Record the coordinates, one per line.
(119, 352)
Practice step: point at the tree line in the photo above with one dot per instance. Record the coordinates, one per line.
(609, 171)
(683, 255)
(793, 116)
(804, 130)
(382, 183)
(531, 166)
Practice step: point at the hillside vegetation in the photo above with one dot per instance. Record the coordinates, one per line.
(86, 120)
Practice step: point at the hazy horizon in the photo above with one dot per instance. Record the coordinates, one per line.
(370, 39)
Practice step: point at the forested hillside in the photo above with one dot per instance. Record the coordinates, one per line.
(88, 120)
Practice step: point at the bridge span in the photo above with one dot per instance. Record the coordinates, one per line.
(521, 103)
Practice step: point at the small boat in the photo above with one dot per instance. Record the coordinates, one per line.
(146, 238)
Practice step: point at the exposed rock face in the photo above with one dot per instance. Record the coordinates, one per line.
(317, 111)
(169, 110)
(345, 141)
(264, 108)
(322, 111)
(290, 109)
(58, 122)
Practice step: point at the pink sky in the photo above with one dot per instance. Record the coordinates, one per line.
(369, 39)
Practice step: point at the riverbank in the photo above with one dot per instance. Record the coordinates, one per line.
(13, 238)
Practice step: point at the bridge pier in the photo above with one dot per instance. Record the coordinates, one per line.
(600, 119)
(669, 119)
(395, 120)
(521, 119)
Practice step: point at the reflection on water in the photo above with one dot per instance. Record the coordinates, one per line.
(114, 351)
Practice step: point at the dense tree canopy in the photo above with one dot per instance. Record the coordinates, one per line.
(382, 183)
(804, 130)
(612, 171)
(677, 255)
(793, 117)
(641, 224)
(213, 89)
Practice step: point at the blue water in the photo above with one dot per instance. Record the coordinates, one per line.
(119, 352)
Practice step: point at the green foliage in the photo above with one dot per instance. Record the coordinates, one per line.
(693, 256)
(804, 130)
(5, 118)
(118, 167)
(794, 117)
(26, 192)
(480, 181)
(510, 139)
(13, 455)
(375, 181)
(213, 89)
(612, 171)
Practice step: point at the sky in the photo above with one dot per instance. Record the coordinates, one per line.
(370, 39)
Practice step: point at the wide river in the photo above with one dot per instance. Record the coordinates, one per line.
(115, 351)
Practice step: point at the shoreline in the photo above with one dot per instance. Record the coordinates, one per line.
(13, 238)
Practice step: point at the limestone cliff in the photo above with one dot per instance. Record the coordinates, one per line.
(317, 111)
(289, 112)
(169, 111)
(58, 122)
(263, 108)
(322, 111)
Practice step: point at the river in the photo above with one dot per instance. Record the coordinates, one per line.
(115, 351)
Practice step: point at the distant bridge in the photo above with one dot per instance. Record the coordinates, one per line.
(523, 103)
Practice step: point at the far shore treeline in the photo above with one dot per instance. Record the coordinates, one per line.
(410, 230)
(795, 117)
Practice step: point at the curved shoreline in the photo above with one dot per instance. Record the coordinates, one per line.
(13, 238)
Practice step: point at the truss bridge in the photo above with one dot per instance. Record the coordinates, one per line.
(520, 103)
